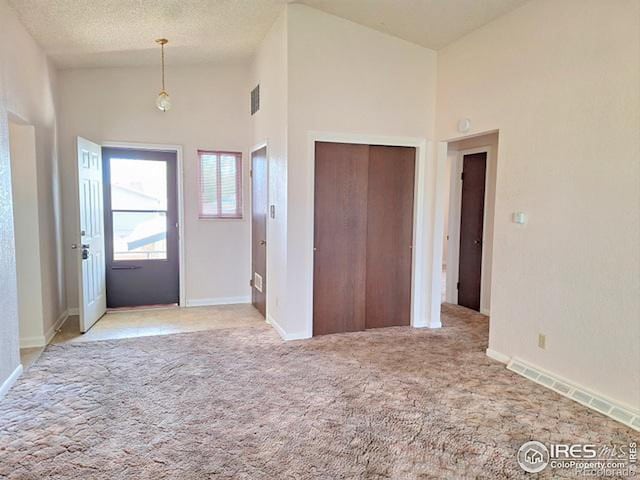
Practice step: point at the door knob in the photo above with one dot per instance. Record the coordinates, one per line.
(478, 242)
(262, 242)
(86, 245)
(85, 253)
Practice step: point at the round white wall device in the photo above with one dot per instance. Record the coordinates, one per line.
(464, 125)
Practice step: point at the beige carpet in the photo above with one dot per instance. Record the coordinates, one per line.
(241, 404)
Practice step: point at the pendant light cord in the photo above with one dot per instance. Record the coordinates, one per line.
(162, 47)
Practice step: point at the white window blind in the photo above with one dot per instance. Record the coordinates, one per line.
(220, 184)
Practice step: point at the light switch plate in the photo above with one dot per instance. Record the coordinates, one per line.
(519, 217)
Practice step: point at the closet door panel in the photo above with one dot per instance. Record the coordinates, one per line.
(340, 237)
(389, 236)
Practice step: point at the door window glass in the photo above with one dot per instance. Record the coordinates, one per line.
(139, 236)
(138, 184)
(139, 209)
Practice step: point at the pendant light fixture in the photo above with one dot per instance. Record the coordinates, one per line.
(163, 101)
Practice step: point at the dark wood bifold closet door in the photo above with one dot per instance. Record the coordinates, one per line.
(339, 281)
(363, 237)
(389, 236)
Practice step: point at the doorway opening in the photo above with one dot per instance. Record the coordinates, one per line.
(24, 185)
(129, 247)
(469, 218)
(141, 227)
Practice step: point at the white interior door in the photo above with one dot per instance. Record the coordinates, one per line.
(91, 259)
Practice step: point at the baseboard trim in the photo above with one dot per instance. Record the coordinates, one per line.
(43, 340)
(206, 302)
(606, 406)
(56, 326)
(277, 327)
(284, 335)
(500, 357)
(428, 325)
(8, 383)
(33, 342)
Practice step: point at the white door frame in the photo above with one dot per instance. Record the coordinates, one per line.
(180, 193)
(455, 210)
(254, 149)
(425, 292)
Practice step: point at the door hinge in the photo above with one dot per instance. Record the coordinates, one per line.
(251, 283)
(458, 286)
(251, 173)
(462, 176)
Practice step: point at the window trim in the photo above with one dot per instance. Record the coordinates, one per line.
(239, 215)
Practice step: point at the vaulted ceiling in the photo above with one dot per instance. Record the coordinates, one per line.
(430, 23)
(96, 33)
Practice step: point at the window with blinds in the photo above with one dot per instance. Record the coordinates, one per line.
(220, 184)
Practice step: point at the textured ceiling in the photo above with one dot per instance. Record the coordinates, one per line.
(430, 23)
(98, 33)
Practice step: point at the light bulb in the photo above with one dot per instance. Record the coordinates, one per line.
(163, 101)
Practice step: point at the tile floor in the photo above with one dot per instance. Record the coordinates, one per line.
(154, 321)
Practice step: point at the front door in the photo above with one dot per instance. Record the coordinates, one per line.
(259, 206)
(91, 249)
(471, 229)
(141, 226)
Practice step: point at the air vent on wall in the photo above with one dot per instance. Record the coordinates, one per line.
(578, 394)
(257, 281)
(255, 99)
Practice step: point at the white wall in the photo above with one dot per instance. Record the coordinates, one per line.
(24, 183)
(27, 84)
(343, 78)
(560, 81)
(269, 124)
(210, 111)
